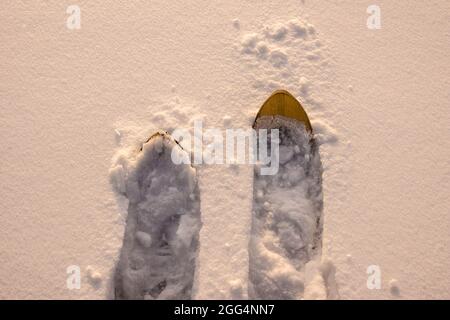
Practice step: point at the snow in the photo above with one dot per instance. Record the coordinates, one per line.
(394, 287)
(287, 220)
(71, 100)
(95, 277)
(160, 246)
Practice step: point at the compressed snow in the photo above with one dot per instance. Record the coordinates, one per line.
(144, 239)
(158, 257)
(287, 218)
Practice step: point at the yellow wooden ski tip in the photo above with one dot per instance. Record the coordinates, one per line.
(282, 103)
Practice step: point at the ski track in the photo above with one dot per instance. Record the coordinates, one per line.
(290, 55)
(160, 245)
(284, 247)
(287, 216)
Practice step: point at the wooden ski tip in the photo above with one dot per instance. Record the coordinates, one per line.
(162, 134)
(282, 103)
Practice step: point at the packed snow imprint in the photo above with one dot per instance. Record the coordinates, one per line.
(160, 245)
(287, 215)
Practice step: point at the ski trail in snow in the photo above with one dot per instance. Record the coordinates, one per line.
(291, 55)
(160, 245)
(287, 216)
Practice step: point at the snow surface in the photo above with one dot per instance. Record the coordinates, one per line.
(378, 101)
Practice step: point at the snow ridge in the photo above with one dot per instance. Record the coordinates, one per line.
(160, 245)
